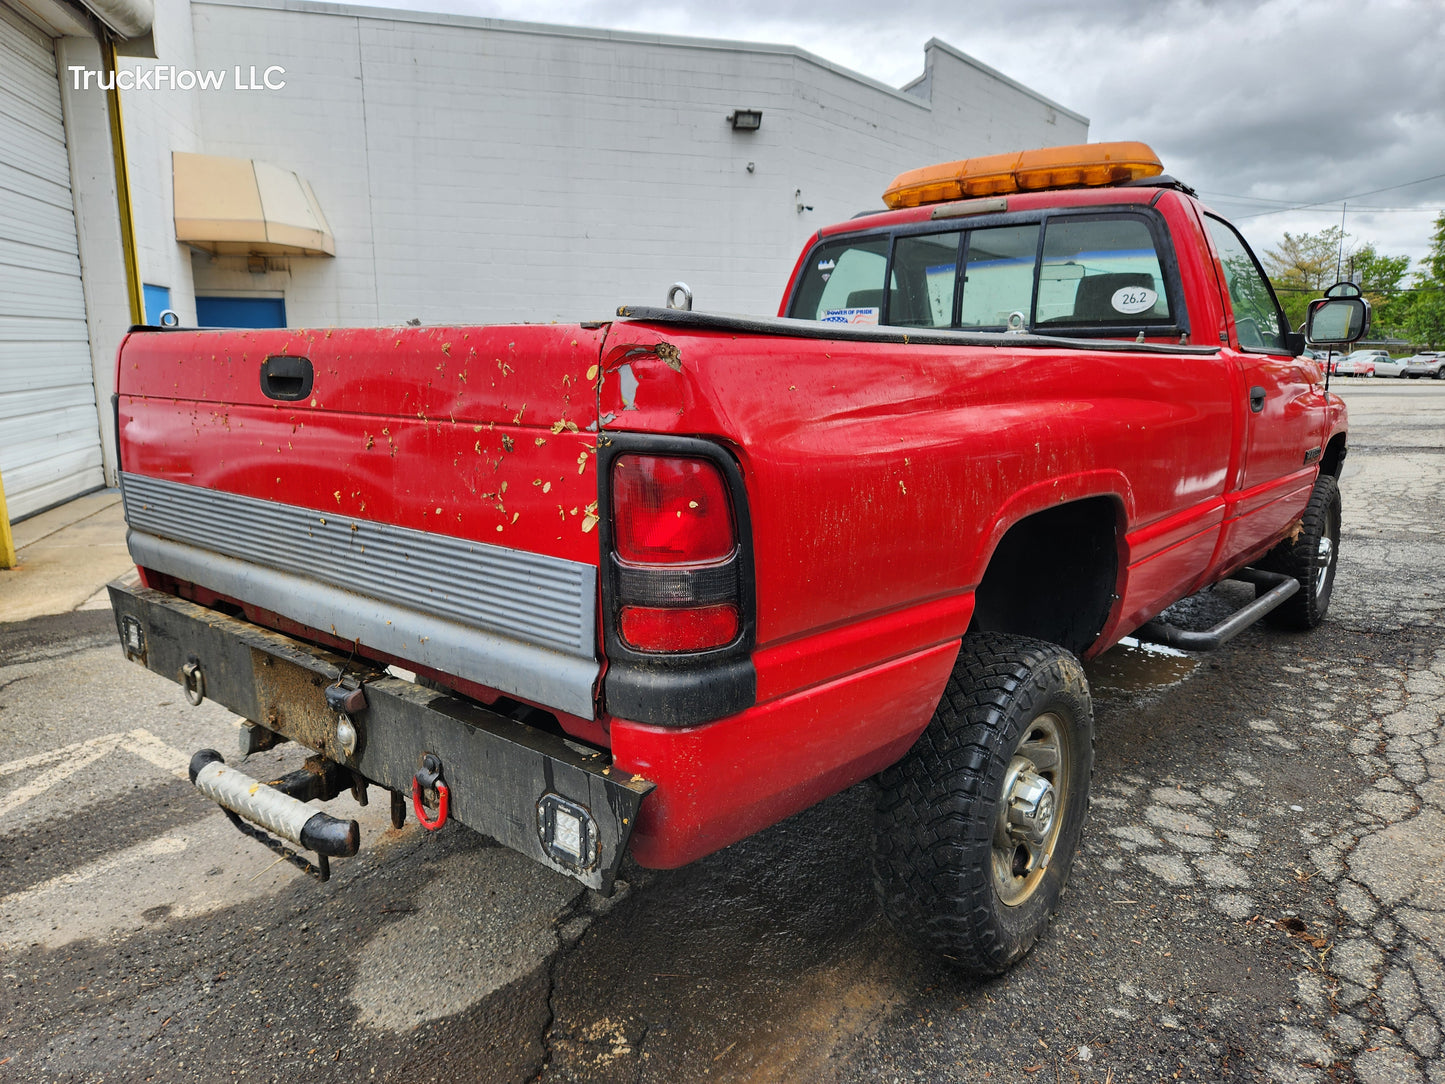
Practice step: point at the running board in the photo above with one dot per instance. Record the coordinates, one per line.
(1280, 587)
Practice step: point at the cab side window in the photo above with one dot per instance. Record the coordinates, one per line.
(1257, 318)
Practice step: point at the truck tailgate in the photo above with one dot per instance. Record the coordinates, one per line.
(427, 493)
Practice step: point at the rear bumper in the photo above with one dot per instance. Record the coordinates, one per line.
(506, 780)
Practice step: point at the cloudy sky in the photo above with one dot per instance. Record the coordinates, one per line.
(1262, 105)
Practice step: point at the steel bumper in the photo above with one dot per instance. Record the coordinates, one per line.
(554, 800)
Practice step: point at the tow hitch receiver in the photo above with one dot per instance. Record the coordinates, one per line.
(275, 808)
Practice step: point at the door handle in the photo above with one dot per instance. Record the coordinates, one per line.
(286, 378)
(1256, 399)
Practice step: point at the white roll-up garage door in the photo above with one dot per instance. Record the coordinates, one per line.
(49, 430)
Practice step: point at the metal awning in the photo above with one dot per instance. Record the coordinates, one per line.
(128, 20)
(229, 206)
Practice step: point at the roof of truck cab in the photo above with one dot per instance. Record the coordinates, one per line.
(961, 210)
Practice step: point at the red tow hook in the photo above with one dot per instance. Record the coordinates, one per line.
(429, 776)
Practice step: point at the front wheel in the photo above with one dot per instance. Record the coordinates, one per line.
(976, 827)
(1310, 557)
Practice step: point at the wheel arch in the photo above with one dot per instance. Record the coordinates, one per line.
(1333, 460)
(1053, 572)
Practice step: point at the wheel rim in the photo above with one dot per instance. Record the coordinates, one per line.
(1031, 810)
(1324, 557)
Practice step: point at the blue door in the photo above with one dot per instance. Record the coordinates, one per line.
(240, 312)
(158, 300)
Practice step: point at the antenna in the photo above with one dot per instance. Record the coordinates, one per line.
(1340, 258)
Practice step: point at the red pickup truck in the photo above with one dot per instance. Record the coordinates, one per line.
(657, 582)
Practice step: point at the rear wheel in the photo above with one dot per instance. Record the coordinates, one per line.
(977, 825)
(1311, 558)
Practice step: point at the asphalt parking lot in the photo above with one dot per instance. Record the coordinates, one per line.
(1260, 896)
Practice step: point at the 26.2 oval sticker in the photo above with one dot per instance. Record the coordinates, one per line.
(1133, 299)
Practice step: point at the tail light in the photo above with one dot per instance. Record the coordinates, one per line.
(684, 628)
(670, 511)
(674, 545)
(677, 580)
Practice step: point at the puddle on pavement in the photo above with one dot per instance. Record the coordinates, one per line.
(1132, 667)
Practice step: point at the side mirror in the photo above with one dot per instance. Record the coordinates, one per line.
(1337, 321)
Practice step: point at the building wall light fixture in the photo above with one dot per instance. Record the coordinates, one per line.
(746, 120)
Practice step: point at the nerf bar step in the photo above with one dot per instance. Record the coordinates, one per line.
(1280, 587)
(291, 819)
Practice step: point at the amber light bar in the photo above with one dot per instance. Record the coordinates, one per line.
(1077, 166)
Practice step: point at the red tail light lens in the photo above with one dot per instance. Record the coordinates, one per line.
(699, 628)
(670, 510)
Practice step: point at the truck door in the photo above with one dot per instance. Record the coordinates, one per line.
(1281, 400)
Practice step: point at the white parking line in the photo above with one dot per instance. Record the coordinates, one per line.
(72, 758)
(36, 760)
(151, 848)
(39, 785)
(150, 748)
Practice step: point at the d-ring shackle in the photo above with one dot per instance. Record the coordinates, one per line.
(430, 776)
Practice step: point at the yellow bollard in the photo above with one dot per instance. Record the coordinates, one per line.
(7, 540)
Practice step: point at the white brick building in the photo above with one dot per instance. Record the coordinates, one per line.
(478, 170)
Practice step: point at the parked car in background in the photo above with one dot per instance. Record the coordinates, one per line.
(1428, 363)
(1369, 363)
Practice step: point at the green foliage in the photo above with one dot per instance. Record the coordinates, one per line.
(1380, 282)
(1303, 266)
(1424, 311)
(1425, 318)
(1436, 260)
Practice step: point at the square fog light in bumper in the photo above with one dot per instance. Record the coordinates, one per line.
(569, 834)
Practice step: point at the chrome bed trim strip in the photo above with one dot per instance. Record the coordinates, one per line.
(520, 622)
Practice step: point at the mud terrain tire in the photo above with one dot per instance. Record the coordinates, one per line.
(963, 861)
(1311, 558)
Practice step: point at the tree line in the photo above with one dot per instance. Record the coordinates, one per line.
(1405, 305)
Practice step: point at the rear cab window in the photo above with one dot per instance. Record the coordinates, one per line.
(925, 278)
(998, 276)
(843, 283)
(1094, 274)
(1101, 272)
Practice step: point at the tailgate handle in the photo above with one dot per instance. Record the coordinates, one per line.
(286, 378)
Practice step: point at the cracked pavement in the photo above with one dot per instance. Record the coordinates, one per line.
(1260, 894)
